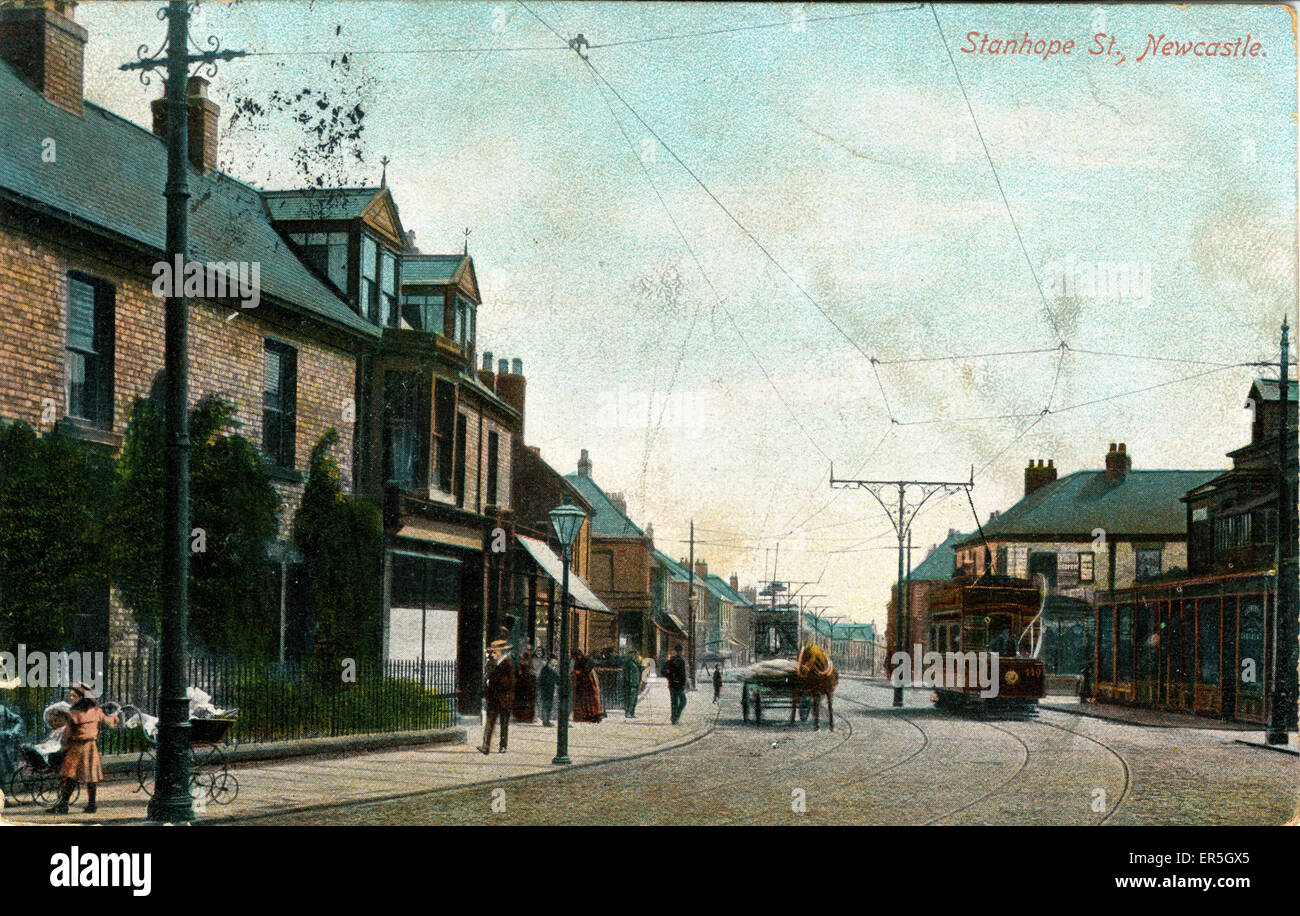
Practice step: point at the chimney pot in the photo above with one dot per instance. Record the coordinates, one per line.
(47, 49)
(516, 366)
(487, 361)
(584, 464)
(503, 367)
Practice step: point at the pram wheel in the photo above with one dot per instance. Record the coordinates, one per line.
(39, 787)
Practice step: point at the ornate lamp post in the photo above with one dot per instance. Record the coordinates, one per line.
(567, 521)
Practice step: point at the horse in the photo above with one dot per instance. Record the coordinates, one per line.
(816, 676)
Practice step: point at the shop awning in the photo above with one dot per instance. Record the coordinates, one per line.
(553, 566)
(441, 533)
(669, 623)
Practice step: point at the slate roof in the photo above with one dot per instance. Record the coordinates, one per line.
(1142, 503)
(110, 175)
(732, 596)
(607, 520)
(940, 563)
(675, 569)
(840, 630)
(319, 203)
(431, 269)
(1270, 389)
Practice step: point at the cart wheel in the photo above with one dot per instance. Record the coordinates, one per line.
(206, 763)
(144, 771)
(224, 788)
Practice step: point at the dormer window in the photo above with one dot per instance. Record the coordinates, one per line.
(464, 323)
(388, 313)
(369, 302)
(328, 253)
(423, 311)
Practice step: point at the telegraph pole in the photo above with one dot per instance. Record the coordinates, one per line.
(690, 608)
(1283, 695)
(901, 518)
(171, 802)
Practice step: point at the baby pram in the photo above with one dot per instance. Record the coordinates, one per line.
(36, 780)
(210, 776)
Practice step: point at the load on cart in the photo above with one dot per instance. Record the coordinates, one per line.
(797, 683)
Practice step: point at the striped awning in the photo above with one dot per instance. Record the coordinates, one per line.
(553, 566)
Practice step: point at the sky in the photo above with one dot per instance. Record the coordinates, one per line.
(742, 243)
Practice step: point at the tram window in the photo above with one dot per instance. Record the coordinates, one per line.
(1207, 639)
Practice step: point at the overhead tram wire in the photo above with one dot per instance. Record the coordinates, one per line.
(699, 266)
(747, 232)
(1038, 286)
(747, 28)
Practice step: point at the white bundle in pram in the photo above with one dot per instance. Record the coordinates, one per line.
(202, 707)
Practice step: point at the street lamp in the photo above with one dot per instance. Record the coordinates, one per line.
(566, 520)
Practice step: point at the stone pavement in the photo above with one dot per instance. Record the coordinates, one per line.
(307, 782)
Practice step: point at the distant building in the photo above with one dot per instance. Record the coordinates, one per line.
(619, 570)
(937, 568)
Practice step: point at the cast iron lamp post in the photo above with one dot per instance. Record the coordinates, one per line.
(566, 520)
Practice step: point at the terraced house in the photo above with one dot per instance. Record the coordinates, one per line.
(82, 329)
(353, 329)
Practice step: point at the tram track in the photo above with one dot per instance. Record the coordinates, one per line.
(1123, 763)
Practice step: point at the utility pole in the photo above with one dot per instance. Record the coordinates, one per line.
(1283, 698)
(901, 518)
(171, 802)
(690, 608)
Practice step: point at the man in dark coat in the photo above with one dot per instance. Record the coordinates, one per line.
(500, 695)
(631, 683)
(547, 680)
(675, 672)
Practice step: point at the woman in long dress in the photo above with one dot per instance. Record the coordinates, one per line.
(586, 691)
(525, 690)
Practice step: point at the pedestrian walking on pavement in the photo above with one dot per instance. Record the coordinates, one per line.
(500, 695)
(547, 680)
(81, 762)
(631, 683)
(525, 701)
(586, 691)
(717, 683)
(675, 672)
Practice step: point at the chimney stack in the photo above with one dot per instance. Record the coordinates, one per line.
(735, 583)
(511, 387)
(485, 374)
(1036, 475)
(650, 534)
(47, 49)
(584, 464)
(202, 123)
(620, 503)
(701, 568)
(1118, 462)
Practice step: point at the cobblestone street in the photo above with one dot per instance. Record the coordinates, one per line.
(881, 766)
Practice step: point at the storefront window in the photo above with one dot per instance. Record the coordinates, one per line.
(1105, 644)
(1124, 655)
(1250, 666)
(1207, 640)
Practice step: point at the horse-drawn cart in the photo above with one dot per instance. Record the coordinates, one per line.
(782, 683)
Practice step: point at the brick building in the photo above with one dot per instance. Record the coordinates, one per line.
(619, 570)
(82, 329)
